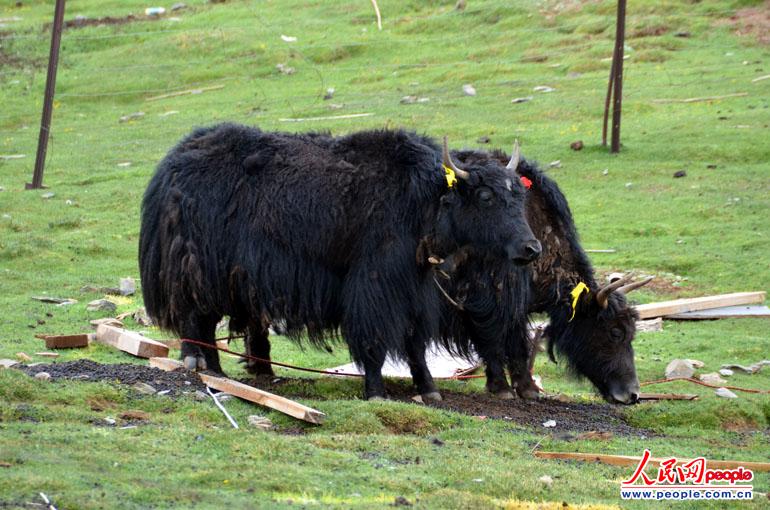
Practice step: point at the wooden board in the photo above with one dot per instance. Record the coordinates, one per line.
(130, 342)
(264, 398)
(64, 341)
(725, 312)
(667, 396)
(665, 308)
(166, 364)
(627, 460)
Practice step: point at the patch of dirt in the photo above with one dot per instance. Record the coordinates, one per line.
(176, 382)
(751, 21)
(107, 20)
(666, 283)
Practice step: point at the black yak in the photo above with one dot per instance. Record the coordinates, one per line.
(591, 326)
(321, 232)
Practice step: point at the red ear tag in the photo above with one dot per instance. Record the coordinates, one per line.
(526, 182)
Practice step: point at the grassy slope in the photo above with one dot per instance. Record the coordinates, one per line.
(710, 227)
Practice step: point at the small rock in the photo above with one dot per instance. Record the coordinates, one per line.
(336, 106)
(144, 388)
(546, 480)
(682, 33)
(109, 421)
(680, 173)
(549, 424)
(576, 145)
(200, 396)
(8, 363)
(483, 139)
(469, 90)
(164, 392)
(285, 69)
(141, 317)
(679, 368)
(179, 6)
(48, 195)
(124, 164)
(127, 286)
(101, 305)
(155, 11)
(711, 167)
(543, 88)
(170, 112)
(725, 393)
(401, 501)
(259, 422)
(555, 164)
(712, 378)
(460, 5)
(696, 363)
(131, 116)
(329, 93)
(288, 38)
(606, 171)
(108, 321)
(23, 356)
(726, 372)
(43, 376)
(517, 100)
(418, 399)
(436, 441)
(224, 397)
(629, 185)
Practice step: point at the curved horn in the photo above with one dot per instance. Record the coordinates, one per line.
(603, 295)
(513, 164)
(625, 289)
(460, 173)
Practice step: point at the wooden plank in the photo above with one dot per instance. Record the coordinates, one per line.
(667, 396)
(627, 460)
(650, 325)
(725, 312)
(264, 398)
(64, 341)
(701, 303)
(166, 364)
(130, 342)
(185, 92)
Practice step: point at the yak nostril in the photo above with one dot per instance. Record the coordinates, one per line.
(533, 249)
(634, 398)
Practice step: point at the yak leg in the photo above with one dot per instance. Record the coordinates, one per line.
(258, 345)
(520, 363)
(423, 380)
(497, 384)
(201, 328)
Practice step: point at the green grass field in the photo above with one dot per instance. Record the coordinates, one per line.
(702, 234)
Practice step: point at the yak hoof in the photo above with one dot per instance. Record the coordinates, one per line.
(195, 363)
(376, 398)
(530, 394)
(504, 395)
(433, 395)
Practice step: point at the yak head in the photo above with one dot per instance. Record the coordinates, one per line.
(595, 336)
(484, 209)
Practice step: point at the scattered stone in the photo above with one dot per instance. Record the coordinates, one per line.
(679, 368)
(124, 164)
(47, 354)
(606, 171)
(682, 33)
(401, 501)
(54, 300)
(418, 399)
(650, 326)
(200, 396)
(483, 139)
(131, 116)
(109, 421)
(725, 393)
(711, 167)
(23, 356)
(224, 397)
(288, 38)
(127, 286)
(108, 321)
(414, 99)
(285, 69)
(629, 185)
(155, 11)
(751, 369)
(179, 6)
(517, 100)
(696, 363)
(726, 372)
(336, 106)
(163, 392)
(543, 88)
(329, 93)
(680, 173)
(546, 480)
(469, 90)
(260, 422)
(166, 114)
(48, 195)
(577, 145)
(8, 363)
(712, 378)
(436, 441)
(549, 424)
(460, 5)
(101, 305)
(555, 164)
(144, 388)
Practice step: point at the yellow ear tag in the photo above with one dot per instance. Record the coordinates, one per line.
(451, 178)
(575, 294)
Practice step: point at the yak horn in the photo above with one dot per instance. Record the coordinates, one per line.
(513, 164)
(625, 289)
(459, 172)
(603, 295)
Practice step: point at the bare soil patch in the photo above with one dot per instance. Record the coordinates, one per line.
(107, 20)
(752, 22)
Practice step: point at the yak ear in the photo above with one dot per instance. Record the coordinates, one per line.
(253, 163)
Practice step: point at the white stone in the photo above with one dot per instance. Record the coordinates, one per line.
(725, 393)
(469, 90)
(712, 378)
(549, 424)
(679, 368)
(260, 422)
(43, 376)
(546, 480)
(726, 372)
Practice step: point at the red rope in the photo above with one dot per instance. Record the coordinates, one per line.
(696, 381)
(294, 367)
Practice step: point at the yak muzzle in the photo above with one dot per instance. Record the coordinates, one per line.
(523, 253)
(624, 393)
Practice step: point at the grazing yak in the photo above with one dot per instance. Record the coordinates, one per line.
(591, 326)
(320, 232)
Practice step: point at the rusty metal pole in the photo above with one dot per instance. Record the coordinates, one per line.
(617, 59)
(607, 101)
(50, 85)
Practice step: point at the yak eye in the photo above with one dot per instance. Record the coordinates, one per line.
(484, 196)
(617, 334)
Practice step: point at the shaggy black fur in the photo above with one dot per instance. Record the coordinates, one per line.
(317, 231)
(597, 342)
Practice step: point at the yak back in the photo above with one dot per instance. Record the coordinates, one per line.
(246, 223)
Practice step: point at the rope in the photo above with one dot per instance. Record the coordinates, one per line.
(696, 381)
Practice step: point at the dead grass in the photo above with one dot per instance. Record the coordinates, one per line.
(751, 22)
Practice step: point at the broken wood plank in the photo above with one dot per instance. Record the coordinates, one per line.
(130, 342)
(650, 325)
(700, 99)
(332, 117)
(610, 250)
(264, 398)
(700, 303)
(8, 363)
(166, 364)
(47, 354)
(667, 396)
(185, 92)
(627, 460)
(725, 312)
(64, 341)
